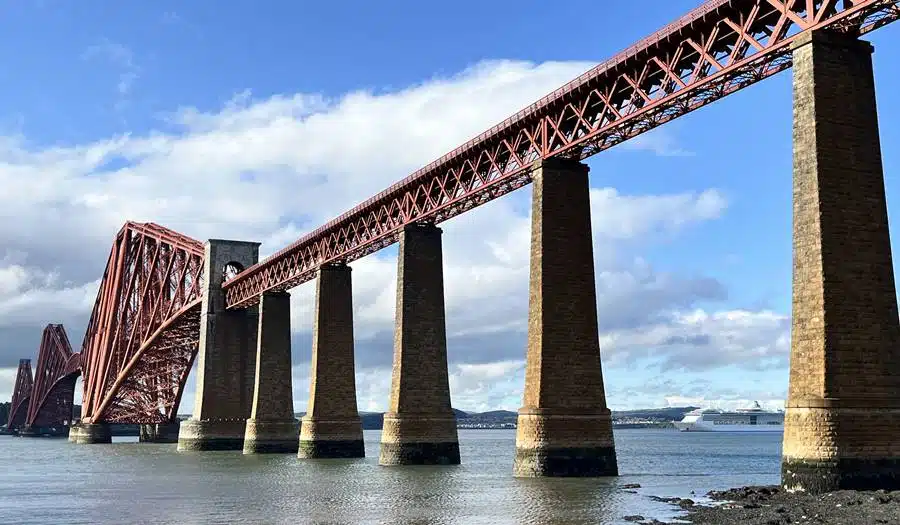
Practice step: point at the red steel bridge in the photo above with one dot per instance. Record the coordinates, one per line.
(44, 401)
(143, 333)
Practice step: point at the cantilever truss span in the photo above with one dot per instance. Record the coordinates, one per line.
(21, 395)
(54, 383)
(715, 50)
(143, 334)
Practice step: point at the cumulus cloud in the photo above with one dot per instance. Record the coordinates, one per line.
(271, 169)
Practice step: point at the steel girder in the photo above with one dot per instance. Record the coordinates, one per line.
(21, 394)
(713, 51)
(143, 334)
(58, 368)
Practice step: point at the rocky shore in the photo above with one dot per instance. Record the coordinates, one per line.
(773, 506)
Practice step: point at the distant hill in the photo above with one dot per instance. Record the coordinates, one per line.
(661, 414)
(375, 420)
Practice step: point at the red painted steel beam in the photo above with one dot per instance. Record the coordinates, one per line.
(143, 333)
(54, 384)
(713, 51)
(21, 394)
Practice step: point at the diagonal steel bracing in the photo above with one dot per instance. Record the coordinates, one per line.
(713, 51)
(144, 329)
(54, 383)
(21, 394)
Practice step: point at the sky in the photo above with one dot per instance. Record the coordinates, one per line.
(261, 121)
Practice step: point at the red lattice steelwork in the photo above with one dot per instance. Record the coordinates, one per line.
(54, 380)
(18, 408)
(717, 49)
(144, 330)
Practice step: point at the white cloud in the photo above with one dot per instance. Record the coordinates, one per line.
(269, 170)
(699, 340)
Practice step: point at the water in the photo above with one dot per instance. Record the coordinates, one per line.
(53, 481)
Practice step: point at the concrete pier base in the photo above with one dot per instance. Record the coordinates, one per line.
(564, 427)
(90, 434)
(28, 432)
(272, 427)
(50, 432)
(842, 416)
(221, 434)
(225, 370)
(271, 437)
(420, 427)
(74, 430)
(419, 440)
(322, 439)
(160, 432)
(561, 445)
(331, 427)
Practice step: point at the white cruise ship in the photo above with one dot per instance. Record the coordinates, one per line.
(754, 419)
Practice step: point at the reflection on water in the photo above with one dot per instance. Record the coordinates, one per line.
(53, 481)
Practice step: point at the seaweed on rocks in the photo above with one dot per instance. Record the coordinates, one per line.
(770, 505)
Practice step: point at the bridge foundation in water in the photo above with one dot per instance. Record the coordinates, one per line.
(842, 417)
(332, 427)
(90, 433)
(272, 427)
(564, 426)
(420, 426)
(225, 364)
(159, 432)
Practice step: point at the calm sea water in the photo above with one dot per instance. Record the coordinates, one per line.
(53, 481)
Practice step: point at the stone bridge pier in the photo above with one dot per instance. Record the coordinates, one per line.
(842, 418)
(419, 426)
(225, 362)
(331, 427)
(272, 427)
(564, 427)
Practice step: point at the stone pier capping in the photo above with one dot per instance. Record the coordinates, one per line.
(564, 426)
(226, 357)
(272, 427)
(332, 427)
(420, 426)
(842, 418)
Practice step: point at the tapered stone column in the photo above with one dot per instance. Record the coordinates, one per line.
(272, 427)
(225, 361)
(420, 427)
(842, 418)
(331, 427)
(564, 426)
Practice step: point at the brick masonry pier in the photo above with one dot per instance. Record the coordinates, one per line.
(225, 361)
(420, 427)
(272, 427)
(842, 419)
(564, 426)
(331, 427)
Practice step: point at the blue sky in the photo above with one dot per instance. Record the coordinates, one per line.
(294, 111)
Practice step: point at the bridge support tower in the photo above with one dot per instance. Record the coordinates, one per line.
(225, 367)
(420, 427)
(272, 427)
(564, 425)
(331, 427)
(843, 412)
